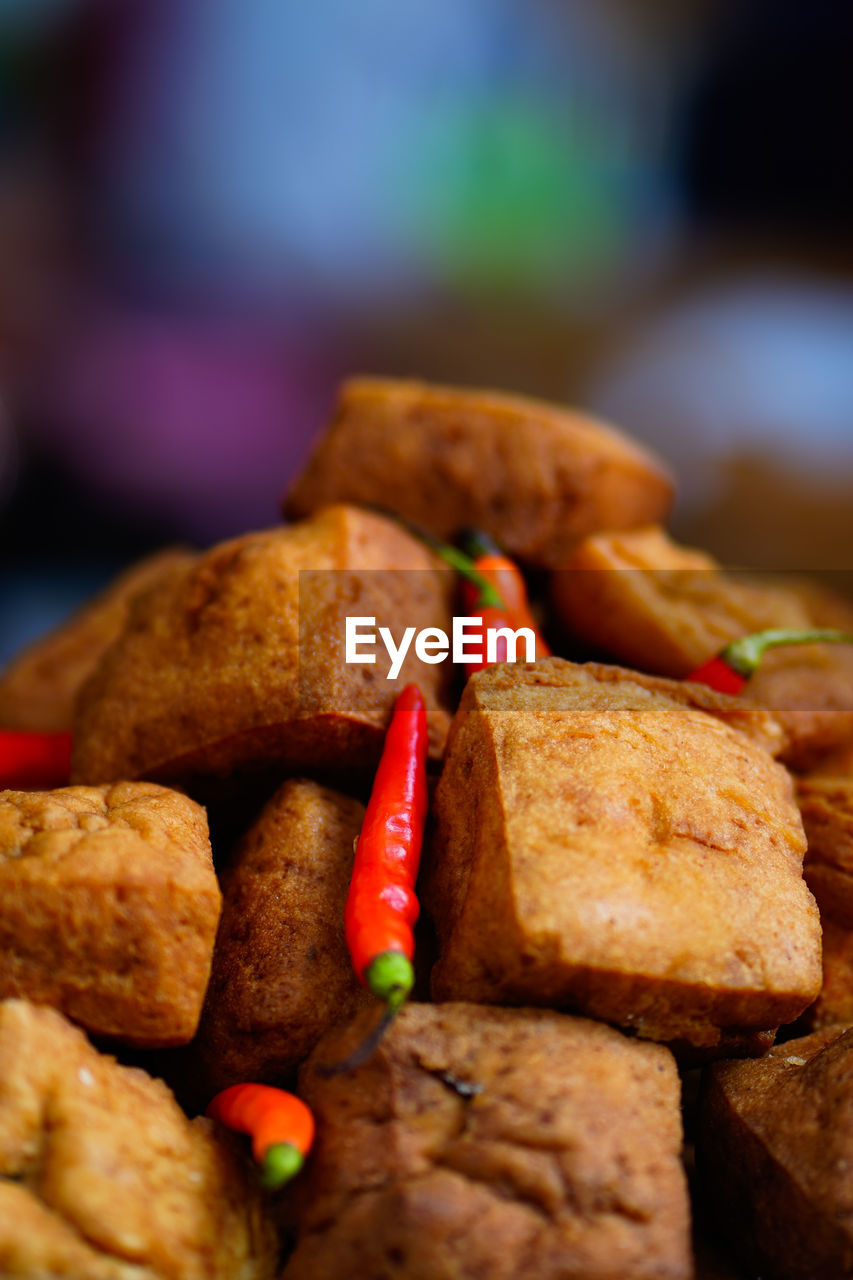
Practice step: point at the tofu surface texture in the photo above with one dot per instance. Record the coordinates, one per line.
(615, 846)
(493, 1142)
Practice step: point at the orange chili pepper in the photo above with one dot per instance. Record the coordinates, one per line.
(381, 907)
(507, 580)
(31, 761)
(729, 671)
(280, 1125)
(493, 619)
(493, 590)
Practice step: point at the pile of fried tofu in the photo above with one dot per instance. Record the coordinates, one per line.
(637, 893)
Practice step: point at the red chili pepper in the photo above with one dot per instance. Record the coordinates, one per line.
(729, 671)
(280, 1125)
(32, 761)
(485, 581)
(507, 580)
(381, 907)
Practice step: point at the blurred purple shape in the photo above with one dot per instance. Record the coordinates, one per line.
(197, 423)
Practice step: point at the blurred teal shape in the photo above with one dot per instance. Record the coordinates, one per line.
(507, 195)
(339, 151)
(29, 17)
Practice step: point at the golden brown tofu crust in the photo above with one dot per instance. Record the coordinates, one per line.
(533, 475)
(809, 689)
(774, 1155)
(109, 907)
(825, 606)
(493, 1142)
(602, 845)
(102, 1176)
(661, 607)
(239, 662)
(281, 971)
(39, 685)
(826, 805)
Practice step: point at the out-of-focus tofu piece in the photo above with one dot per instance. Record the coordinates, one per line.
(493, 1142)
(108, 907)
(834, 1005)
(102, 1176)
(603, 845)
(809, 688)
(239, 662)
(826, 805)
(281, 971)
(774, 1155)
(835, 764)
(40, 684)
(825, 606)
(660, 607)
(535, 476)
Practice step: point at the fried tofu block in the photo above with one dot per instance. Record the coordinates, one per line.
(102, 1176)
(603, 845)
(535, 476)
(239, 662)
(38, 687)
(825, 606)
(108, 907)
(809, 688)
(775, 1152)
(826, 805)
(835, 764)
(493, 1142)
(281, 971)
(710, 1263)
(660, 607)
(834, 1005)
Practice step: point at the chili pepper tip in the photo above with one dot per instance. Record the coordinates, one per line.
(281, 1162)
(390, 977)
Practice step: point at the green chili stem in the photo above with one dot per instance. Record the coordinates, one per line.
(744, 655)
(489, 597)
(390, 976)
(281, 1162)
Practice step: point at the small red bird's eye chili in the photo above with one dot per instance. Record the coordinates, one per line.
(487, 596)
(508, 581)
(32, 761)
(381, 907)
(493, 590)
(729, 671)
(492, 619)
(280, 1125)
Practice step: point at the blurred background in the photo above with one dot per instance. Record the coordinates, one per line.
(212, 210)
